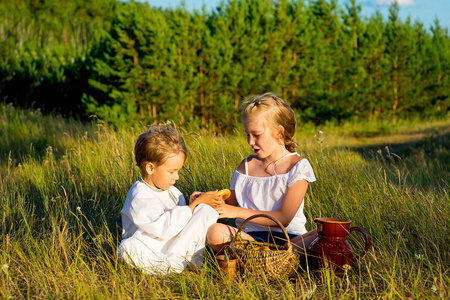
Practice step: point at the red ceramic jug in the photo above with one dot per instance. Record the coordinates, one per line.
(331, 246)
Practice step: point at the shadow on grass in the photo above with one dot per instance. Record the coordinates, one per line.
(433, 144)
(19, 148)
(415, 160)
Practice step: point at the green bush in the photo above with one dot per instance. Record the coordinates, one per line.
(130, 63)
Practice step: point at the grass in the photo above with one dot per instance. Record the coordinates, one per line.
(63, 184)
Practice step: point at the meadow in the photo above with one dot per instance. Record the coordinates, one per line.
(63, 183)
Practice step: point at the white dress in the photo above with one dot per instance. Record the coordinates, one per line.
(160, 233)
(267, 193)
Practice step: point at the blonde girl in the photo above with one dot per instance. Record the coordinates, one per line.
(161, 234)
(272, 181)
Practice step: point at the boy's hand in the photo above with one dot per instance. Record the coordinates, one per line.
(208, 198)
(194, 196)
(225, 194)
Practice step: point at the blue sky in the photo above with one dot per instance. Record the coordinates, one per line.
(424, 10)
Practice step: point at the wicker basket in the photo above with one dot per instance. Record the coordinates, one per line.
(274, 264)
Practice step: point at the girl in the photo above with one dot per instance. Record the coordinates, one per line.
(162, 234)
(273, 181)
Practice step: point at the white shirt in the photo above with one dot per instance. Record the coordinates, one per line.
(160, 233)
(267, 193)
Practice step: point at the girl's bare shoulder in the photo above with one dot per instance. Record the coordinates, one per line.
(286, 164)
(241, 167)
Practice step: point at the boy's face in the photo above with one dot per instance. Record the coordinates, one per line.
(164, 176)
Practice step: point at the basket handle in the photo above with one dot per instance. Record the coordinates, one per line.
(238, 233)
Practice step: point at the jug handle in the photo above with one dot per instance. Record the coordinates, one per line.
(366, 237)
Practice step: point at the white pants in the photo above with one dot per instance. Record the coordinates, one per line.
(187, 246)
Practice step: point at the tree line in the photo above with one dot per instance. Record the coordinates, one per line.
(128, 62)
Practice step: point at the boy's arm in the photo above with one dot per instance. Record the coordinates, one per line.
(150, 216)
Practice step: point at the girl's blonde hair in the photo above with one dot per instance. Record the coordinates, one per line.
(276, 112)
(156, 144)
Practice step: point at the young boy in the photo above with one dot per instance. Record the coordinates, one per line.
(162, 234)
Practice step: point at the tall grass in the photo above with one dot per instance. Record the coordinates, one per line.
(63, 184)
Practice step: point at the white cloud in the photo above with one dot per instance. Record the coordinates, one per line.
(400, 2)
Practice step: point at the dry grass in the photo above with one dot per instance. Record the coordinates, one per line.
(60, 201)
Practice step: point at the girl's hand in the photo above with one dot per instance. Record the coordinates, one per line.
(226, 211)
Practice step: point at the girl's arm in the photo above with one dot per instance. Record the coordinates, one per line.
(292, 200)
(232, 199)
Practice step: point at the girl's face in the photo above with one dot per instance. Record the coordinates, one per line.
(261, 138)
(164, 176)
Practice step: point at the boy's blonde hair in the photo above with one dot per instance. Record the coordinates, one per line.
(276, 112)
(156, 144)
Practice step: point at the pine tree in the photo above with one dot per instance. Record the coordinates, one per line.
(327, 24)
(397, 55)
(355, 55)
(439, 70)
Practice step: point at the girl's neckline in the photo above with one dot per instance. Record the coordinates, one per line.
(275, 174)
